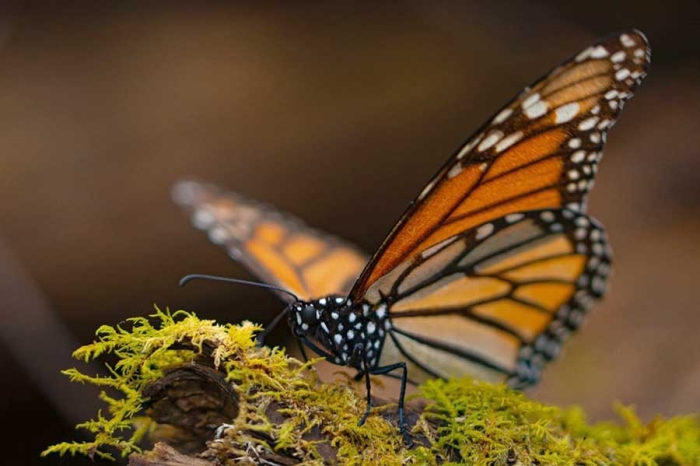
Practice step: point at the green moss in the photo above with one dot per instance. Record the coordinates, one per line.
(466, 422)
(490, 424)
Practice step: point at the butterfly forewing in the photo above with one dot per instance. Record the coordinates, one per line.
(276, 247)
(540, 151)
(497, 301)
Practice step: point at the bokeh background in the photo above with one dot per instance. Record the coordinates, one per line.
(338, 112)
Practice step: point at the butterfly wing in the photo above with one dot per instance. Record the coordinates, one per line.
(541, 151)
(276, 247)
(496, 301)
(495, 263)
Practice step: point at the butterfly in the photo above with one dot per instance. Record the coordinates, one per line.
(490, 269)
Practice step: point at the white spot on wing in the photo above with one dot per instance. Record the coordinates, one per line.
(202, 219)
(578, 156)
(484, 230)
(584, 54)
(547, 216)
(599, 52)
(435, 247)
(454, 171)
(503, 115)
(597, 249)
(588, 123)
(467, 148)
(512, 218)
(426, 191)
(622, 74)
(185, 192)
(536, 110)
(491, 139)
(566, 112)
(626, 41)
(619, 56)
(218, 235)
(508, 141)
(531, 100)
(574, 143)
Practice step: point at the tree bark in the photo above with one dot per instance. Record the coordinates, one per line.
(191, 401)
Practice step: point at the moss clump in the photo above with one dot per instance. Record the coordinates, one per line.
(481, 423)
(465, 421)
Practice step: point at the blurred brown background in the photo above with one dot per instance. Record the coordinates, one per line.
(338, 112)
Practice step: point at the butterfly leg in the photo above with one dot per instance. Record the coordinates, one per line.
(368, 385)
(260, 339)
(404, 379)
(303, 351)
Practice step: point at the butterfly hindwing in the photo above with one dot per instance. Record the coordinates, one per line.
(496, 301)
(541, 151)
(276, 247)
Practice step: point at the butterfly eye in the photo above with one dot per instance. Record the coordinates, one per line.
(308, 315)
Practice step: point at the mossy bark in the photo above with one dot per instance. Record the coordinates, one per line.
(204, 394)
(190, 402)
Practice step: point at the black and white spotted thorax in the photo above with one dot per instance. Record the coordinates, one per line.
(345, 333)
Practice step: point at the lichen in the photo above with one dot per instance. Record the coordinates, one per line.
(465, 421)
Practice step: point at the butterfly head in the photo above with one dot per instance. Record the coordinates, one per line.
(309, 318)
(305, 318)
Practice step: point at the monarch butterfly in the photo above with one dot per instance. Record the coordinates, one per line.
(491, 268)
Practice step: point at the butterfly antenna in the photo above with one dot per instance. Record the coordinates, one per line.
(262, 335)
(196, 276)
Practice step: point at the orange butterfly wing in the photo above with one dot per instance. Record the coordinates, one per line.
(540, 151)
(276, 247)
(497, 301)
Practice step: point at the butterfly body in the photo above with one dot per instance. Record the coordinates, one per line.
(490, 269)
(345, 333)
